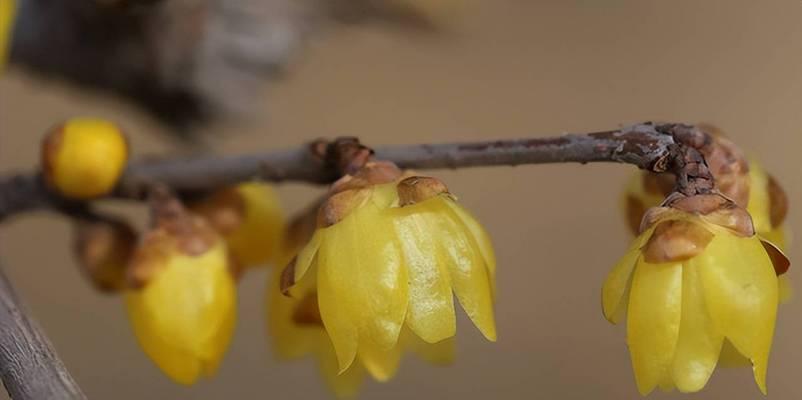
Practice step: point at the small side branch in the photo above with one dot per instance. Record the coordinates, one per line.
(29, 367)
(653, 147)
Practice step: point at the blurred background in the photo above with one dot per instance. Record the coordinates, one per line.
(490, 69)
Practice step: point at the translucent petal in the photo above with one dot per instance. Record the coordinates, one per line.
(380, 363)
(741, 292)
(380, 277)
(731, 358)
(616, 286)
(291, 340)
(699, 344)
(759, 199)
(653, 322)
(440, 353)
(307, 255)
(256, 240)
(345, 384)
(469, 277)
(430, 311)
(480, 236)
(335, 303)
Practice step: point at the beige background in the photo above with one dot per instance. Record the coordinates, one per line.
(503, 69)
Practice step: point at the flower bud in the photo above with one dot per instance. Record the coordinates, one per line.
(103, 249)
(249, 217)
(184, 307)
(84, 157)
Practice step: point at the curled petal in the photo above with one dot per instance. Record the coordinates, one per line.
(616, 287)
(480, 236)
(469, 276)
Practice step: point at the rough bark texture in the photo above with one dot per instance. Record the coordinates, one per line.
(29, 367)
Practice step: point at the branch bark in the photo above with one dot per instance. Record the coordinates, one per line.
(29, 367)
(653, 147)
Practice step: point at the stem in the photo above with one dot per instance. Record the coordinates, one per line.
(29, 367)
(656, 148)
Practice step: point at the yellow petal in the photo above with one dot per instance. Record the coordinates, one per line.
(380, 278)
(256, 240)
(699, 344)
(440, 353)
(616, 287)
(307, 255)
(181, 366)
(759, 205)
(653, 322)
(461, 255)
(741, 292)
(481, 237)
(431, 304)
(731, 358)
(291, 340)
(345, 384)
(188, 311)
(334, 304)
(380, 363)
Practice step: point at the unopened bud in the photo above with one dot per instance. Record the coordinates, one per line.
(84, 157)
(104, 249)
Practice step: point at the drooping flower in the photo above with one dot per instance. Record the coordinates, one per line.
(84, 157)
(182, 306)
(695, 281)
(388, 253)
(296, 330)
(250, 219)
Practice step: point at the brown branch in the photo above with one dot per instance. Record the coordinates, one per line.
(29, 367)
(653, 147)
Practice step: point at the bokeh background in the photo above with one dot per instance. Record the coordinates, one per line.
(496, 69)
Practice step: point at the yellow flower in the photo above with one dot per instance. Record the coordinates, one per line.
(250, 219)
(7, 12)
(296, 329)
(84, 157)
(388, 254)
(767, 206)
(184, 313)
(692, 284)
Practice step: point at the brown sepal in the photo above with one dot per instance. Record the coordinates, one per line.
(780, 261)
(416, 189)
(676, 240)
(778, 203)
(287, 280)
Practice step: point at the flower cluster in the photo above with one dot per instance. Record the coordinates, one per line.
(372, 270)
(701, 282)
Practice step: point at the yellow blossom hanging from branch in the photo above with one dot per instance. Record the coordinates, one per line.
(372, 270)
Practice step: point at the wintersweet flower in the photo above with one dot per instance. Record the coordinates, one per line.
(249, 218)
(183, 304)
(388, 253)
(697, 279)
(297, 331)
